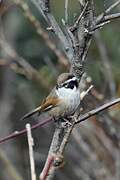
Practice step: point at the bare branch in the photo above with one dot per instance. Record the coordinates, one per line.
(40, 5)
(47, 166)
(28, 14)
(84, 93)
(31, 153)
(19, 133)
(97, 110)
(111, 17)
(98, 26)
(83, 38)
(47, 5)
(101, 16)
(112, 7)
(65, 138)
(48, 170)
(75, 26)
(82, 2)
(66, 10)
(104, 20)
(80, 119)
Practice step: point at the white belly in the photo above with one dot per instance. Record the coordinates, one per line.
(73, 102)
(71, 98)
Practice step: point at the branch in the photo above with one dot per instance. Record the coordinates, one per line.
(111, 17)
(75, 46)
(66, 11)
(22, 132)
(83, 38)
(97, 110)
(75, 26)
(48, 170)
(112, 7)
(28, 14)
(58, 159)
(31, 154)
(45, 11)
(101, 16)
(56, 162)
(69, 131)
(103, 21)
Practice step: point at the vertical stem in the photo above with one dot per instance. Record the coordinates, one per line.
(31, 154)
(49, 170)
(66, 11)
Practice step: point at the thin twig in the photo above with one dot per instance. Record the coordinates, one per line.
(22, 132)
(97, 110)
(66, 45)
(98, 26)
(66, 11)
(74, 27)
(84, 93)
(112, 6)
(31, 153)
(101, 16)
(111, 17)
(28, 14)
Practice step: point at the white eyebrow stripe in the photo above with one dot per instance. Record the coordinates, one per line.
(73, 79)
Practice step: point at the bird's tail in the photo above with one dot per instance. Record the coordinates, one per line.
(31, 113)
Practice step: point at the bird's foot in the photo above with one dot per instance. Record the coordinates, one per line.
(66, 123)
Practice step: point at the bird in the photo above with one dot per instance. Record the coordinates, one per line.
(63, 99)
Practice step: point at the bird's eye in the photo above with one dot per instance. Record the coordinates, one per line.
(71, 85)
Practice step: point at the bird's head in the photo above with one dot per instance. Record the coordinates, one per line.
(67, 81)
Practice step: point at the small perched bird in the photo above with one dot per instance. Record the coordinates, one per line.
(63, 100)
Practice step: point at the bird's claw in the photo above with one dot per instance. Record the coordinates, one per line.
(66, 123)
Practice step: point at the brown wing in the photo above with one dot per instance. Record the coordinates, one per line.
(50, 101)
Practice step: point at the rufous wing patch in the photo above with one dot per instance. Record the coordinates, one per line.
(49, 103)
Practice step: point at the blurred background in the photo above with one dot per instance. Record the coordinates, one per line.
(28, 70)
